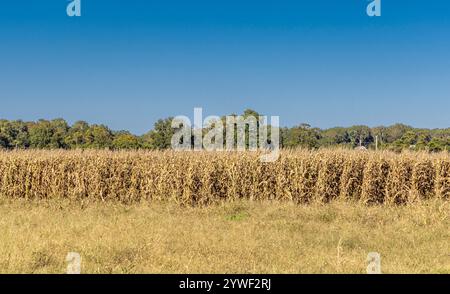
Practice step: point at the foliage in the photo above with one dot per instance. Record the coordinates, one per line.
(58, 134)
(160, 137)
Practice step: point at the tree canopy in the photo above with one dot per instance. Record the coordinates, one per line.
(58, 134)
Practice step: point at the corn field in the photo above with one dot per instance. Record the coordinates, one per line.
(192, 178)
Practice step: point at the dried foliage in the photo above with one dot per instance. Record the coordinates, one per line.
(198, 178)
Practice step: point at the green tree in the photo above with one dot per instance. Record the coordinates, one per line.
(423, 139)
(125, 140)
(48, 134)
(6, 134)
(408, 140)
(302, 136)
(335, 136)
(395, 132)
(77, 135)
(437, 145)
(59, 129)
(21, 135)
(360, 136)
(99, 137)
(161, 136)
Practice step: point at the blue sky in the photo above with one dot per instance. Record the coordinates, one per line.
(128, 63)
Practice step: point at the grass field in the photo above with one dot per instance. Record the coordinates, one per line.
(233, 237)
(187, 212)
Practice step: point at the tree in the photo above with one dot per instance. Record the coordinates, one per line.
(160, 137)
(395, 132)
(48, 134)
(437, 145)
(14, 134)
(360, 136)
(423, 139)
(59, 129)
(99, 137)
(125, 140)
(21, 135)
(77, 135)
(57, 133)
(408, 140)
(302, 136)
(335, 136)
(6, 134)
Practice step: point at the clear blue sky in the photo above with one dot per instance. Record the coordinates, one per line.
(128, 63)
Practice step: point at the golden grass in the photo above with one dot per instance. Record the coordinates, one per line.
(188, 178)
(240, 237)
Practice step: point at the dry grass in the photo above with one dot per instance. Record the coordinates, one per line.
(122, 212)
(201, 178)
(240, 237)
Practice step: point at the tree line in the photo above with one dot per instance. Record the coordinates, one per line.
(58, 134)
